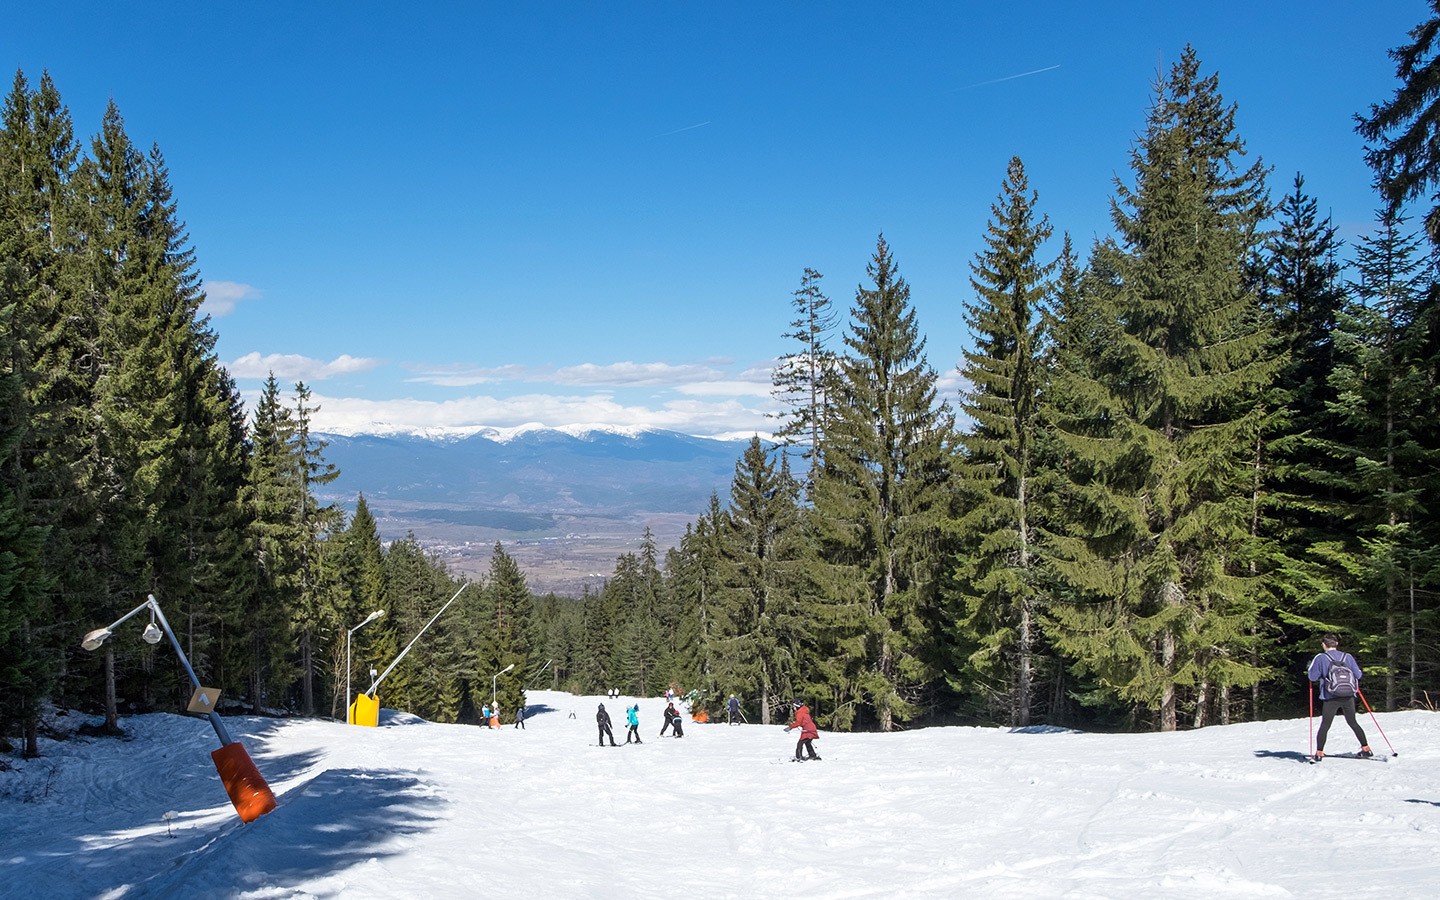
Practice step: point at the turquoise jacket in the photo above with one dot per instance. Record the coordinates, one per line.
(632, 716)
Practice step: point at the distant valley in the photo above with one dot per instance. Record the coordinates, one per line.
(564, 505)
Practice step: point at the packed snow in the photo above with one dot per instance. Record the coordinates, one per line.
(416, 809)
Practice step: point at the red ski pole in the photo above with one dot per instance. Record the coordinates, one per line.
(1393, 751)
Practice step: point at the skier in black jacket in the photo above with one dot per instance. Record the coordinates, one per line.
(602, 718)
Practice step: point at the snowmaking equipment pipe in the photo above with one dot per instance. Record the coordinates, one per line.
(247, 789)
(367, 707)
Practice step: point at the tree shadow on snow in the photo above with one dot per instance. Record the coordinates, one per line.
(1292, 755)
(340, 818)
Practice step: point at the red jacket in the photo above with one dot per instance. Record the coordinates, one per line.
(803, 722)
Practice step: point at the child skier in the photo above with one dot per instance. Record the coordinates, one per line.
(632, 717)
(802, 721)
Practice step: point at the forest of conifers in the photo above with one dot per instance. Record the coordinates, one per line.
(1179, 457)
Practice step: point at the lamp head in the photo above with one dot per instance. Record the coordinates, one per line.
(94, 639)
(152, 634)
(373, 616)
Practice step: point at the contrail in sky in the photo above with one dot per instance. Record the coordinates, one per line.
(1006, 78)
(686, 128)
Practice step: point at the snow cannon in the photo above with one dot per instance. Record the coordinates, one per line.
(494, 721)
(247, 789)
(365, 711)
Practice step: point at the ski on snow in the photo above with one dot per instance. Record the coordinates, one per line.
(1313, 760)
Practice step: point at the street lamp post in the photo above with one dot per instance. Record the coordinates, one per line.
(350, 713)
(248, 791)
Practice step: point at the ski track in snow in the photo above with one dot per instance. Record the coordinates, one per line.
(413, 809)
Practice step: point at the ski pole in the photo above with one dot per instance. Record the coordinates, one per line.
(1310, 695)
(1393, 751)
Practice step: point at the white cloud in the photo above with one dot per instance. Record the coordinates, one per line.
(290, 367)
(353, 415)
(221, 297)
(621, 374)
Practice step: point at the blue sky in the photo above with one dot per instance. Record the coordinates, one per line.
(455, 215)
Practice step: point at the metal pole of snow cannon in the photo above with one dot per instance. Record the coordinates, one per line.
(243, 782)
(494, 684)
(349, 709)
(371, 708)
(1393, 751)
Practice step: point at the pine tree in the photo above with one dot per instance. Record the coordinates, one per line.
(1159, 425)
(1386, 456)
(261, 627)
(26, 668)
(996, 577)
(1404, 131)
(314, 583)
(800, 377)
(880, 498)
(511, 633)
(758, 637)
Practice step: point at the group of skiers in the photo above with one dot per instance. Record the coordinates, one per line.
(1335, 672)
(801, 719)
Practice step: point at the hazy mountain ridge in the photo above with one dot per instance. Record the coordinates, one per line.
(564, 503)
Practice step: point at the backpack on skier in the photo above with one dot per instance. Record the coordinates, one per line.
(1340, 680)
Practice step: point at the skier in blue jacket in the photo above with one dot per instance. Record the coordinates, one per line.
(1319, 672)
(632, 718)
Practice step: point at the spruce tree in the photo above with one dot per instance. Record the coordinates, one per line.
(1404, 131)
(511, 633)
(880, 499)
(800, 377)
(996, 579)
(1386, 457)
(758, 637)
(1159, 425)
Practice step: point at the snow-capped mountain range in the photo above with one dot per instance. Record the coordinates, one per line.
(564, 501)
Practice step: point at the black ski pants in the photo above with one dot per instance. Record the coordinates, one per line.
(804, 747)
(606, 732)
(1328, 708)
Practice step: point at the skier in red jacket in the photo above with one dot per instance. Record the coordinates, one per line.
(802, 721)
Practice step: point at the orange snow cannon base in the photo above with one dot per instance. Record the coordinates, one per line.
(247, 788)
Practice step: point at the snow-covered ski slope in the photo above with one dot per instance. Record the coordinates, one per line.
(413, 809)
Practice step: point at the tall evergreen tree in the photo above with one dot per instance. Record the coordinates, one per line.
(1386, 456)
(1159, 425)
(996, 565)
(880, 498)
(759, 636)
(801, 376)
(511, 633)
(1404, 131)
(261, 626)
